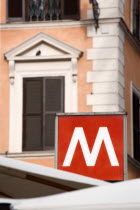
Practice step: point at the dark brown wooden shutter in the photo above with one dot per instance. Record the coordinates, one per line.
(136, 18)
(32, 113)
(70, 9)
(27, 10)
(54, 102)
(14, 8)
(136, 126)
(43, 98)
(54, 94)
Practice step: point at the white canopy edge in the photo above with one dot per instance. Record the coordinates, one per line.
(117, 196)
(47, 172)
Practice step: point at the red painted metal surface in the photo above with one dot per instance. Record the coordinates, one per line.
(103, 169)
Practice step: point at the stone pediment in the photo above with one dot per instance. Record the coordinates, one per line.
(42, 46)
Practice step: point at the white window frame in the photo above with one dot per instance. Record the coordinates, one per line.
(18, 73)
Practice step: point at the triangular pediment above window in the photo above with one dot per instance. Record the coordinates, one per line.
(42, 46)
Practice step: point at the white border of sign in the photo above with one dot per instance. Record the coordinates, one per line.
(95, 114)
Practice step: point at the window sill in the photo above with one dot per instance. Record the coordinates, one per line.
(32, 154)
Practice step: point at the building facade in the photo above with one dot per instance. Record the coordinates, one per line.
(67, 56)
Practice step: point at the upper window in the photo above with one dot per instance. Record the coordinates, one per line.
(41, 10)
(136, 124)
(136, 18)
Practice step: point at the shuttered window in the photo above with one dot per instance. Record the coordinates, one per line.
(136, 126)
(136, 18)
(43, 98)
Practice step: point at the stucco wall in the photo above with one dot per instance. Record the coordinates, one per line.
(2, 11)
(49, 162)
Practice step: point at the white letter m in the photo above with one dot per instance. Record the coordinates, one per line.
(90, 158)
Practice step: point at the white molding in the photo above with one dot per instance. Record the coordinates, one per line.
(32, 155)
(53, 24)
(42, 37)
(51, 57)
(12, 71)
(38, 66)
(16, 93)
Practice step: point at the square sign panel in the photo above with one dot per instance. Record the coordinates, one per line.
(92, 145)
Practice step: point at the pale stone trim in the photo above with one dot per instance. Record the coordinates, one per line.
(21, 48)
(51, 57)
(32, 155)
(107, 76)
(66, 67)
(53, 24)
(109, 9)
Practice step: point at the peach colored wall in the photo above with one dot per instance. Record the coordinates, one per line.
(132, 73)
(127, 13)
(49, 162)
(11, 38)
(84, 5)
(2, 11)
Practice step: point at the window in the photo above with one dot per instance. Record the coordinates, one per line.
(42, 99)
(41, 10)
(15, 10)
(136, 124)
(136, 18)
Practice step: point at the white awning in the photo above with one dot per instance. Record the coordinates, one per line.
(117, 196)
(20, 179)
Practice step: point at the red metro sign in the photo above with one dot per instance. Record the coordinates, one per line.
(92, 145)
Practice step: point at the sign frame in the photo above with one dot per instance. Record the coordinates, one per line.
(125, 172)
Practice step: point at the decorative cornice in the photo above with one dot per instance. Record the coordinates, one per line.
(54, 24)
(68, 51)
